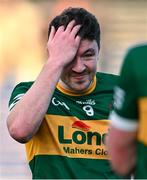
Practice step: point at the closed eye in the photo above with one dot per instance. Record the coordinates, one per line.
(89, 53)
(88, 56)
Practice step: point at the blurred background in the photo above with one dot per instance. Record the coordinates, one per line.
(23, 38)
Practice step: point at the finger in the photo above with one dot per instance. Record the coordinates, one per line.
(60, 29)
(75, 30)
(52, 33)
(70, 26)
(78, 39)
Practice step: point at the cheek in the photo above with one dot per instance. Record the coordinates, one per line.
(92, 66)
(65, 73)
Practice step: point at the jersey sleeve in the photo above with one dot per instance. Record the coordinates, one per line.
(125, 113)
(17, 93)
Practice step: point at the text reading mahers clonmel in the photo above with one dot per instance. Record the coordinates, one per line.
(79, 137)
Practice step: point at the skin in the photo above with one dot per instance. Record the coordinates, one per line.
(71, 64)
(79, 74)
(122, 150)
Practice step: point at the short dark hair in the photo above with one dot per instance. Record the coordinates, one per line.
(90, 27)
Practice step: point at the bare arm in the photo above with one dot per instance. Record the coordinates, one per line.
(26, 117)
(122, 150)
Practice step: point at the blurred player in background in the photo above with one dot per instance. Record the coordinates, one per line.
(127, 140)
(62, 116)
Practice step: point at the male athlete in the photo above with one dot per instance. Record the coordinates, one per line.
(62, 116)
(127, 142)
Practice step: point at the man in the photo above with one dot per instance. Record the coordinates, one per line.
(62, 116)
(127, 142)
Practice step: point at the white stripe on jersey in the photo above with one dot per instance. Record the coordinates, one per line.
(123, 123)
(15, 100)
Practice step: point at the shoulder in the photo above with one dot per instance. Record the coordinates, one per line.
(106, 77)
(21, 88)
(25, 85)
(138, 47)
(137, 52)
(135, 59)
(106, 81)
(18, 92)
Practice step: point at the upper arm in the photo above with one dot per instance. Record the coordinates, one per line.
(17, 93)
(14, 117)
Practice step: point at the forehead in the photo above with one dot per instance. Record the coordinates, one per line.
(86, 44)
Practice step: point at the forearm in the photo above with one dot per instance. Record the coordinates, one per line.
(122, 150)
(123, 160)
(26, 117)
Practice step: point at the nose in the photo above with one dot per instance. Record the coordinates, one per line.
(78, 65)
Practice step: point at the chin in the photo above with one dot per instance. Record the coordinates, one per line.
(80, 87)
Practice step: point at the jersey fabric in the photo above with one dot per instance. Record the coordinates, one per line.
(70, 143)
(131, 103)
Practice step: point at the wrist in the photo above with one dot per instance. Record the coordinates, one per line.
(55, 63)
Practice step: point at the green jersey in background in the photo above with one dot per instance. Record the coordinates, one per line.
(131, 103)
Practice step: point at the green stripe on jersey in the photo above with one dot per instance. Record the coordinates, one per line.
(59, 167)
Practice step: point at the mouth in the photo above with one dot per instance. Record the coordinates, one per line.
(79, 77)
